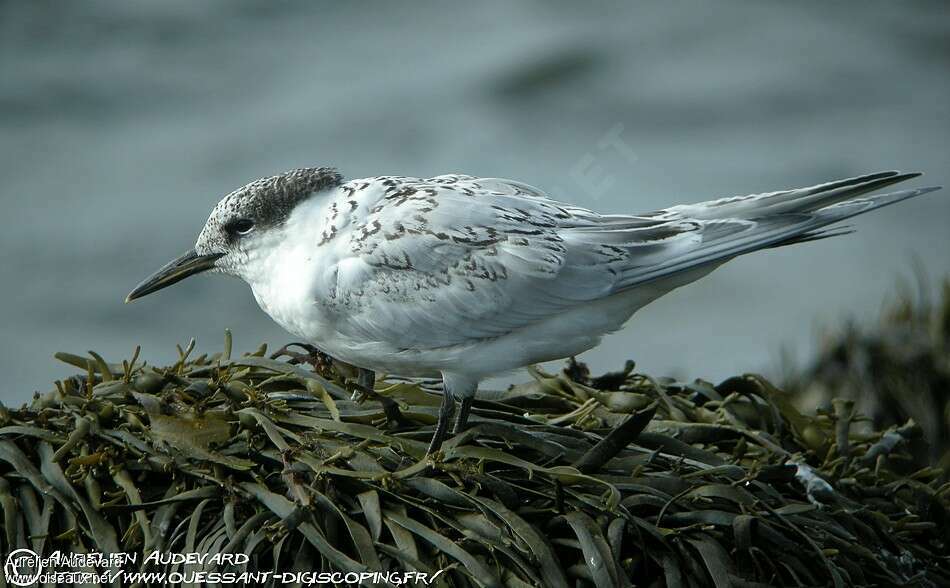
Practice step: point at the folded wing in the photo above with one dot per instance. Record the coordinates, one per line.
(454, 259)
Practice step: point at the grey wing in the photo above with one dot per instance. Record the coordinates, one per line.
(453, 259)
(683, 237)
(457, 258)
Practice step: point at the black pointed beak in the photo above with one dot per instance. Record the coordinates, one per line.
(173, 272)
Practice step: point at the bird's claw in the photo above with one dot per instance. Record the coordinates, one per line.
(318, 360)
(359, 394)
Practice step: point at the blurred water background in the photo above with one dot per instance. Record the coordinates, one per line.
(122, 123)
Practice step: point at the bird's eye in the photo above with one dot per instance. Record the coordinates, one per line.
(241, 226)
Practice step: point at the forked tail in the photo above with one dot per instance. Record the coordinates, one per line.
(715, 231)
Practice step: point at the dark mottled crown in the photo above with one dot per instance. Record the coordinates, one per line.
(267, 202)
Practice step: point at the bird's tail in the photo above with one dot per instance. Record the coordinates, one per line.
(798, 200)
(849, 206)
(726, 228)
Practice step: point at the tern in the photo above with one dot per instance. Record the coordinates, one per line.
(461, 278)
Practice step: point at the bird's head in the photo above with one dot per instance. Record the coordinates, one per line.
(244, 224)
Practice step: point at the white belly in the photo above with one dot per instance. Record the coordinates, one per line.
(556, 337)
(291, 302)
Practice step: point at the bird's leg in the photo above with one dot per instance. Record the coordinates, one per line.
(366, 380)
(442, 426)
(465, 406)
(453, 386)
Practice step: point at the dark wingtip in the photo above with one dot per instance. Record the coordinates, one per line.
(895, 176)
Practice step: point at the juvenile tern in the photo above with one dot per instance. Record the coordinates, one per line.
(462, 277)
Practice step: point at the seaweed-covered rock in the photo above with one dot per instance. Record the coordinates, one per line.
(568, 480)
(896, 370)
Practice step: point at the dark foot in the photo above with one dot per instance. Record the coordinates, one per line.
(366, 384)
(461, 420)
(442, 426)
(318, 360)
(366, 389)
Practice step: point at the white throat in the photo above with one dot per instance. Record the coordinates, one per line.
(284, 269)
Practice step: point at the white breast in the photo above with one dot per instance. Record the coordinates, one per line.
(287, 271)
(295, 272)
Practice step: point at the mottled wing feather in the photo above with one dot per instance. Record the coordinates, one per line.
(456, 258)
(452, 259)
